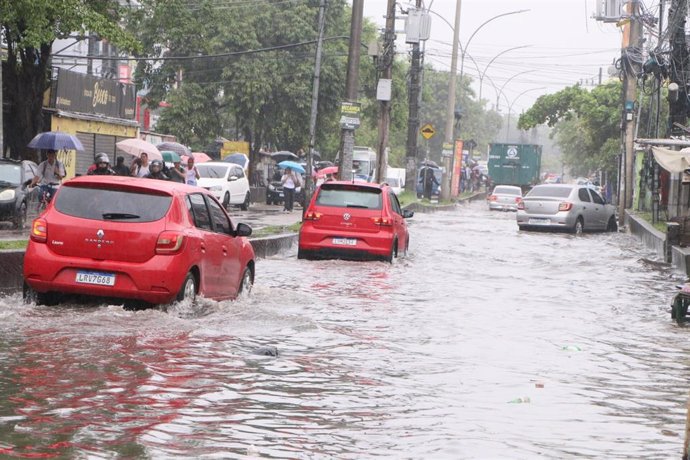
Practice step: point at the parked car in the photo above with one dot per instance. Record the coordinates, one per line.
(354, 220)
(275, 194)
(504, 198)
(137, 240)
(15, 196)
(572, 207)
(227, 181)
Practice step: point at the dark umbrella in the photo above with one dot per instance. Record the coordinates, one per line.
(56, 140)
(284, 155)
(175, 147)
(430, 163)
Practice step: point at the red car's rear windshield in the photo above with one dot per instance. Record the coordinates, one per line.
(107, 204)
(349, 196)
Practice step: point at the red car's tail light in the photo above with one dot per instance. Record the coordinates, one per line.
(565, 206)
(383, 221)
(312, 215)
(492, 197)
(521, 205)
(518, 199)
(169, 243)
(39, 230)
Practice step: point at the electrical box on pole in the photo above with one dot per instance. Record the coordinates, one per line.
(609, 10)
(417, 26)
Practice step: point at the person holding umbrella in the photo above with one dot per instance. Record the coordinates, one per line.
(49, 175)
(140, 166)
(290, 181)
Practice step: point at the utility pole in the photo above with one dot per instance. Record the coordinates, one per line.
(2, 138)
(450, 112)
(315, 100)
(631, 41)
(413, 117)
(384, 92)
(351, 88)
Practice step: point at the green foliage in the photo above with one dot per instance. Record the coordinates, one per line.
(29, 28)
(587, 125)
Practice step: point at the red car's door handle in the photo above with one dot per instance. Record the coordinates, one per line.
(203, 247)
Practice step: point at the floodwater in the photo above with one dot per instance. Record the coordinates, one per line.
(484, 343)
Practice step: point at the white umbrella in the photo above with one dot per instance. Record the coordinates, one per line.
(138, 146)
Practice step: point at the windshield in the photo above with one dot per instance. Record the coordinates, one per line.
(105, 204)
(212, 171)
(362, 168)
(11, 174)
(348, 196)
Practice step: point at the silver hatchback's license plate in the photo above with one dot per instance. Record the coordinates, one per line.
(345, 241)
(534, 221)
(101, 279)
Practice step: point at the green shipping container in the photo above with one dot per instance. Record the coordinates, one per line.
(514, 164)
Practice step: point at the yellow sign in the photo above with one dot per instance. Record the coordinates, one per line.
(234, 147)
(428, 131)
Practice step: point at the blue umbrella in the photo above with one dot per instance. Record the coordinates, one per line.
(238, 159)
(292, 165)
(55, 140)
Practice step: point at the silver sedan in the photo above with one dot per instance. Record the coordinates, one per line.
(504, 198)
(574, 208)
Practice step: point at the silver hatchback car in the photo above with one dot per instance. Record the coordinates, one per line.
(574, 208)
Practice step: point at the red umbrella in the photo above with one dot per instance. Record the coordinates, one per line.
(199, 157)
(328, 170)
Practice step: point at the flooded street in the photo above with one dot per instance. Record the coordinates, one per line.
(484, 342)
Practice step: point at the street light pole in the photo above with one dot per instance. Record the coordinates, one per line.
(510, 108)
(481, 76)
(467, 45)
(450, 112)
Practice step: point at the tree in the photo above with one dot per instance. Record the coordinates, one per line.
(587, 125)
(258, 82)
(29, 28)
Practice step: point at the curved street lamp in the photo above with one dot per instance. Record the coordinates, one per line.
(510, 107)
(481, 76)
(508, 81)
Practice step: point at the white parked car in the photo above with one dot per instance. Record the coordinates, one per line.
(227, 181)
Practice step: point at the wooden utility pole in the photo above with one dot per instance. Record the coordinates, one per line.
(413, 117)
(384, 95)
(347, 143)
(450, 112)
(631, 40)
(315, 100)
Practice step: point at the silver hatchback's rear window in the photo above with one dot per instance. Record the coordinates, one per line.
(550, 192)
(113, 205)
(349, 196)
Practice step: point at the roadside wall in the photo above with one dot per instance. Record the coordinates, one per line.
(12, 261)
(656, 241)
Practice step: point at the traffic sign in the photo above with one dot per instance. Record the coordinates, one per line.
(428, 131)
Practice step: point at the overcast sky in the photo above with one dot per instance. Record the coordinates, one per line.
(565, 45)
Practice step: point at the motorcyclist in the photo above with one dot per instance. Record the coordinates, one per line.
(156, 171)
(102, 162)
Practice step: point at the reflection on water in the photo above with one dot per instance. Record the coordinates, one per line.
(484, 343)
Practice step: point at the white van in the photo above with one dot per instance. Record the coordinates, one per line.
(395, 177)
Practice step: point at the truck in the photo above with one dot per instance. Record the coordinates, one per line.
(395, 177)
(515, 164)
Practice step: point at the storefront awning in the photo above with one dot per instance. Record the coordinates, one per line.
(673, 161)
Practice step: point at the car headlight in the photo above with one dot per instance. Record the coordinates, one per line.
(7, 195)
(216, 188)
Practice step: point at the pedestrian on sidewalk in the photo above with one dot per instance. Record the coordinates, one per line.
(120, 168)
(192, 173)
(290, 181)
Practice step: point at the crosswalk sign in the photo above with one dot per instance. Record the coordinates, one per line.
(428, 131)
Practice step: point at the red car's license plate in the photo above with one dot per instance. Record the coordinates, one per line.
(345, 241)
(101, 279)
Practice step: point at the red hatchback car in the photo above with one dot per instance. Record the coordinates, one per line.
(140, 240)
(358, 220)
